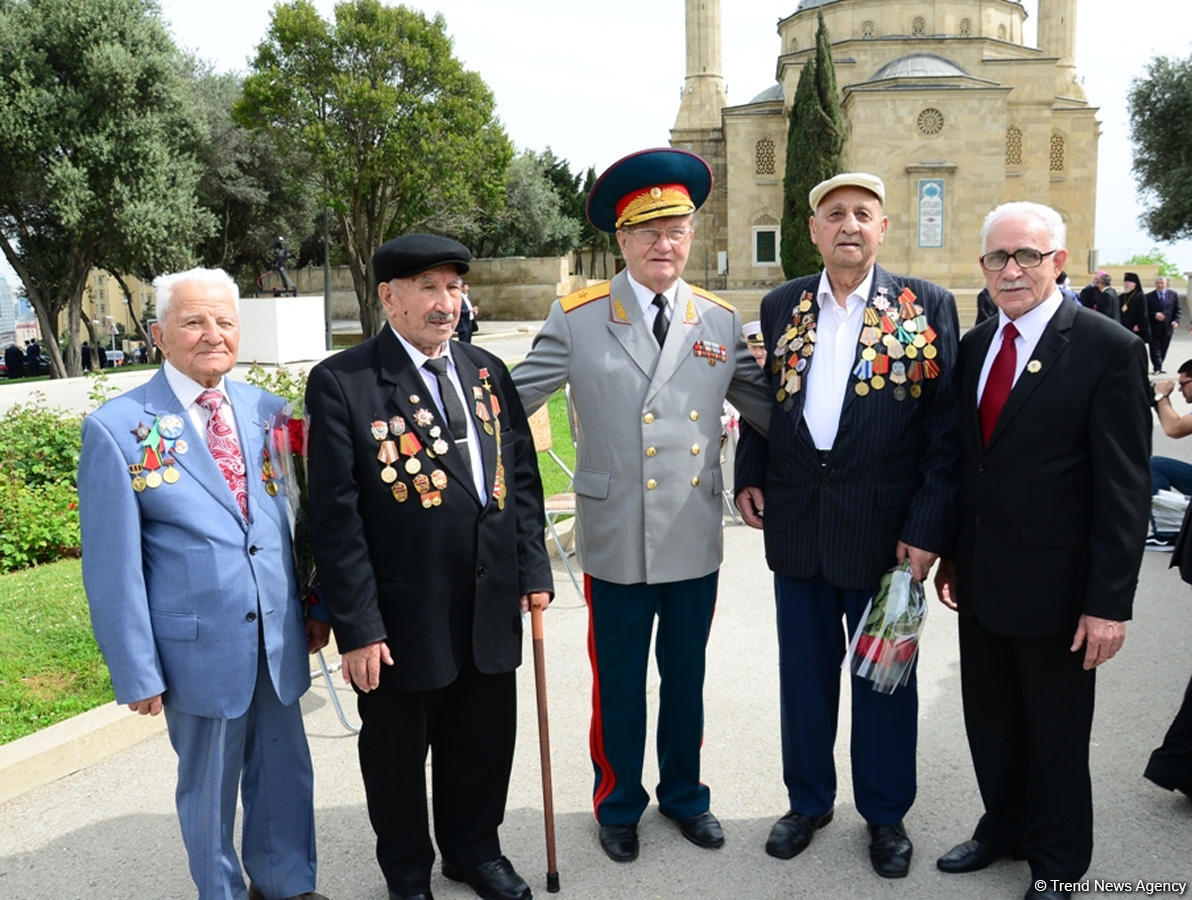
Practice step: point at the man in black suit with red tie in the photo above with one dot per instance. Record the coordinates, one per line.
(1055, 438)
(427, 525)
(858, 475)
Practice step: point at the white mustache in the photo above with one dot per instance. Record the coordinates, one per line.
(439, 318)
(1009, 285)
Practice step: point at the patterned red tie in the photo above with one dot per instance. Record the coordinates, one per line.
(225, 448)
(999, 383)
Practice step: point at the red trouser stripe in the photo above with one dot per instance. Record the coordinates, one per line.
(596, 733)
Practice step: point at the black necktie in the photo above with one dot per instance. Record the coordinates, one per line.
(457, 424)
(661, 322)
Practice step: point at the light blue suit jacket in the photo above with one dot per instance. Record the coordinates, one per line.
(178, 583)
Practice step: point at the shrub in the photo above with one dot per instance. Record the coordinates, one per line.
(38, 523)
(39, 459)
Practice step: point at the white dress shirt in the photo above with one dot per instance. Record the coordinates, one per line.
(837, 332)
(432, 386)
(1030, 327)
(187, 390)
(645, 297)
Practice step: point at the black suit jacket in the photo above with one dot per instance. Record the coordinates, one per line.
(1168, 304)
(1054, 512)
(438, 584)
(891, 474)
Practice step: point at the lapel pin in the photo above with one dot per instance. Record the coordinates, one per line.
(1034, 366)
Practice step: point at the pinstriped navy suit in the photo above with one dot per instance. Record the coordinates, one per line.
(830, 533)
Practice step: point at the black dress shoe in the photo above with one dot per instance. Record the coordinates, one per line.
(703, 830)
(619, 842)
(493, 880)
(254, 893)
(792, 833)
(422, 895)
(969, 856)
(890, 850)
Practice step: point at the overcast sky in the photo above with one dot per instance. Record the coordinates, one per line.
(595, 82)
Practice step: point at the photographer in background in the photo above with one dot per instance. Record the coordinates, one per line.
(1168, 473)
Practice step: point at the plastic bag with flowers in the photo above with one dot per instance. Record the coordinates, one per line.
(884, 648)
(288, 432)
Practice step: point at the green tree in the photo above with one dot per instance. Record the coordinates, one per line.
(536, 220)
(1156, 257)
(248, 186)
(814, 152)
(398, 133)
(1161, 129)
(94, 125)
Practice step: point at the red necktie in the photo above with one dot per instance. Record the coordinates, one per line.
(999, 383)
(225, 448)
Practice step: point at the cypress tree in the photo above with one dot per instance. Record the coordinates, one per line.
(814, 152)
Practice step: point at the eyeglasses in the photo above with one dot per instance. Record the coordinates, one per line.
(648, 237)
(1184, 384)
(1024, 258)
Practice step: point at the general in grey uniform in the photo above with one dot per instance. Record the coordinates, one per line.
(650, 360)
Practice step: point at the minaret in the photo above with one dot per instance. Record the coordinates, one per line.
(698, 128)
(1057, 37)
(703, 89)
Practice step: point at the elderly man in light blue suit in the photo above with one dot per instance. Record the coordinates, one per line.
(189, 574)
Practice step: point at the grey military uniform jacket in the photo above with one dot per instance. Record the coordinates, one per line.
(647, 481)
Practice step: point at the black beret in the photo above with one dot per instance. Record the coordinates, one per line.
(406, 256)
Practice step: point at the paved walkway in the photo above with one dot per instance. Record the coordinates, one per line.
(108, 831)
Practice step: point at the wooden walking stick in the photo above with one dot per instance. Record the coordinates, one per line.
(548, 803)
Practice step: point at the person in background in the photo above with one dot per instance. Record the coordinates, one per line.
(1163, 304)
(1133, 305)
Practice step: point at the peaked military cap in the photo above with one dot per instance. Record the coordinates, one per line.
(649, 184)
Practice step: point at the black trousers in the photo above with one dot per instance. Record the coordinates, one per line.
(1171, 765)
(1160, 341)
(1028, 712)
(469, 728)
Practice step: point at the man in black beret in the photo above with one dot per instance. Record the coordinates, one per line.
(427, 526)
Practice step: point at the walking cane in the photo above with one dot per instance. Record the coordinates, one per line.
(548, 803)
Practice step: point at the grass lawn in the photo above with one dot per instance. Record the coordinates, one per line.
(553, 479)
(51, 668)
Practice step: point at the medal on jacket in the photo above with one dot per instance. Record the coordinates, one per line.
(387, 454)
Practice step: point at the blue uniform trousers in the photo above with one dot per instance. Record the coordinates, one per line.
(811, 649)
(264, 753)
(621, 620)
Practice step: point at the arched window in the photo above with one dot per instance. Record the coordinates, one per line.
(1013, 146)
(1056, 157)
(764, 157)
(918, 26)
(765, 240)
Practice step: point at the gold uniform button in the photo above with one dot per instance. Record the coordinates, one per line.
(651, 451)
(651, 484)
(695, 481)
(695, 449)
(648, 418)
(694, 415)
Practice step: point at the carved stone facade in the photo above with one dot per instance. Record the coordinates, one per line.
(942, 98)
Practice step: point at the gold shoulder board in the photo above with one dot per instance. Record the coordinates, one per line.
(576, 299)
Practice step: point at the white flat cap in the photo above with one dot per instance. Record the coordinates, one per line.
(871, 183)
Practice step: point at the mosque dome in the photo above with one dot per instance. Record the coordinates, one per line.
(919, 65)
(773, 92)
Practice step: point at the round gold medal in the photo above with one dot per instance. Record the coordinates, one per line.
(413, 466)
(877, 382)
(916, 390)
(389, 474)
(138, 484)
(929, 351)
(271, 488)
(170, 475)
(911, 351)
(153, 480)
(869, 353)
(861, 388)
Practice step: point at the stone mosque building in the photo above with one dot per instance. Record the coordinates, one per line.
(941, 98)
